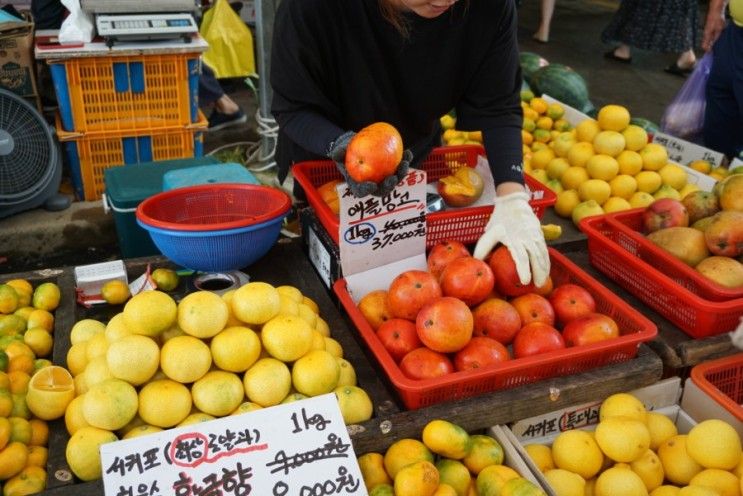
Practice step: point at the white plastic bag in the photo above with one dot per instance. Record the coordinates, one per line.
(684, 116)
(77, 26)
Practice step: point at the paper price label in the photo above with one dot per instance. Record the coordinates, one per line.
(685, 152)
(301, 448)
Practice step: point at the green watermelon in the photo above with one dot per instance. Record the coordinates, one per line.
(564, 84)
(530, 63)
(646, 124)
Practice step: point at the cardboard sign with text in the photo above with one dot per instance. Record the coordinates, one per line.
(386, 233)
(297, 448)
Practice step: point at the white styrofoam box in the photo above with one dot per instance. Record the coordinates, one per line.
(736, 162)
(701, 406)
(572, 115)
(512, 458)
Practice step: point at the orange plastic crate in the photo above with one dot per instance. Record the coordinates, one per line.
(634, 329)
(722, 380)
(91, 154)
(127, 92)
(463, 224)
(610, 250)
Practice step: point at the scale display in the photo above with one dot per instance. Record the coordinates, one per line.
(119, 27)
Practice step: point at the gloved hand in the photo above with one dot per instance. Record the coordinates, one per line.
(337, 153)
(514, 224)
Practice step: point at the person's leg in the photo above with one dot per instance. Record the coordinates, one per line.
(687, 59)
(209, 88)
(546, 9)
(226, 112)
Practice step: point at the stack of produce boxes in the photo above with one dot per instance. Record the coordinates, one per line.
(120, 110)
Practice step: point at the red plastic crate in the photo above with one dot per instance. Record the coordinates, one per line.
(610, 251)
(722, 380)
(633, 327)
(463, 224)
(630, 222)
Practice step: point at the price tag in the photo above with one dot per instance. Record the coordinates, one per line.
(685, 152)
(300, 448)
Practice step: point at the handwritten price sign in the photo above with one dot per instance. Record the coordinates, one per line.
(301, 448)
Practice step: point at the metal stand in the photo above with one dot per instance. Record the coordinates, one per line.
(265, 13)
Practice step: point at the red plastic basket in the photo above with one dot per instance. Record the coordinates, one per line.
(463, 224)
(634, 329)
(612, 251)
(630, 222)
(722, 380)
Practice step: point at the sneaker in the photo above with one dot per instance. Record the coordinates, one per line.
(218, 120)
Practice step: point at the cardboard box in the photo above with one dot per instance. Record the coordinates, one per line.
(17, 70)
(512, 457)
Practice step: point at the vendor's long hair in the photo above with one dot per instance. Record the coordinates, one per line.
(394, 16)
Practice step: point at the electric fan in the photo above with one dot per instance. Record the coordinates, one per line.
(30, 164)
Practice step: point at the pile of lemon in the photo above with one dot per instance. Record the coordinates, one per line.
(718, 173)
(446, 461)
(544, 125)
(453, 137)
(634, 452)
(26, 327)
(160, 364)
(607, 165)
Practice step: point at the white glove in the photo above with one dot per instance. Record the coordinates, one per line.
(514, 224)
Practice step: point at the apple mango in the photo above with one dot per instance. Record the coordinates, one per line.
(462, 188)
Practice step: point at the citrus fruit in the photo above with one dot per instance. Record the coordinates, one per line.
(722, 481)
(235, 349)
(576, 450)
(73, 416)
(541, 455)
(82, 452)
(483, 451)
(290, 292)
(116, 328)
(50, 390)
(110, 404)
(20, 285)
(613, 117)
(697, 491)
(635, 137)
(322, 327)
(703, 166)
(446, 439)
(46, 296)
(85, 329)
(556, 167)
(333, 347)
(491, 479)
(142, 430)
(602, 166)
(39, 340)
(565, 482)
(654, 156)
(40, 318)
(202, 314)
(630, 162)
(256, 302)
(5, 430)
(8, 299)
(714, 443)
(134, 358)
(37, 456)
(678, 466)
(292, 397)
(20, 430)
(650, 470)
(665, 490)
(609, 143)
(315, 373)
(165, 279)
(594, 189)
(115, 292)
(347, 373)
(648, 181)
(641, 199)
(623, 439)
(405, 452)
(149, 313)
(286, 337)
(660, 427)
(287, 306)
(372, 470)
(455, 474)
(566, 202)
(267, 382)
(96, 346)
(246, 407)
(354, 403)
(541, 158)
(586, 130)
(218, 393)
(579, 153)
(622, 404)
(623, 186)
(11, 325)
(12, 459)
(18, 382)
(417, 479)
(196, 418)
(164, 403)
(77, 358)
(673, 175)
(185, 359)
(573, 177)
(619, 482)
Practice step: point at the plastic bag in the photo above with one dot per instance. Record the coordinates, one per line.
(77, 26)
(684, 116)
(230, 52)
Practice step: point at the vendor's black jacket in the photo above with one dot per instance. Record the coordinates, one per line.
(338, 65)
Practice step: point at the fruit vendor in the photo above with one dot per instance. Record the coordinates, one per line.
(340, 65)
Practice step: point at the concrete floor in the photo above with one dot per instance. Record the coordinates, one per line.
(84, 232)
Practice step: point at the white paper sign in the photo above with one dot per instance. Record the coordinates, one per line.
(685, 152)
(736, 162)
(300, 448)
(376, 231)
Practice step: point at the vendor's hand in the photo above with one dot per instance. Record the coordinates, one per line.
(359, 189)
(514, 224)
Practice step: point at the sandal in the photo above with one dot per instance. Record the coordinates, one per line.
(679, 71)
(613, 56)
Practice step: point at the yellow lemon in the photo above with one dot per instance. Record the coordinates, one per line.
(287, 337)
(586, 209)
(648, 181)
(288, 306)
(539, 104)
(116, 328)
(292, 397)
(660, 427)
(19, 382)
(196, 418)
(609, 143)
(46, 296)
(641, 199)
(40, 318)
(185, 359)
(623, 439)
(714, 443)
(267, 382)
(115, 292)
(556, 167)
(483, 452)
(235, 349)
(165, 279)
(613, 117)
(372, 470)
(96, 372)
(202, 314)
(20, 430)
(650, 470)
(308, 314)
(39, 340)
(697, 491)
(165, 403)
(447, 122)
(110, 404)
(673, 175)
(567, 200)
(665, 191)
(20, 285)
(74, 419)
(654, 156)
(573, 177)
(540, 175)
(703, 166)
(722, 481)
(623, 186)
(30, 480)
(624, 405)
(333, 347)
(37, 456)
(565, 482)
(555, 110)
(134, 358)
(446, 439)
(635, 137)
(348, 373)
(455, 474)
(602, 166)
(490, 480)
(576, 451)
(354, 403)
(50, 390)
(562, 144)
(541, 158)
(85, 329)
(630, 162)
(619, 482)
(688, 188)
(218, 393)
(142, 430)
(256, 302)
(82, 452)
(39, 432)
(246, 407)
(315, 373)
(678, 466)
(311, 303)
(579, 154)
(232, 320)
(587, 130)
(665, 490)
(96, 346)
(12, 459)
(541, 455)
(417, 479)
(594, 189)
(322, 327)
(405, 452)
(150, 313)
